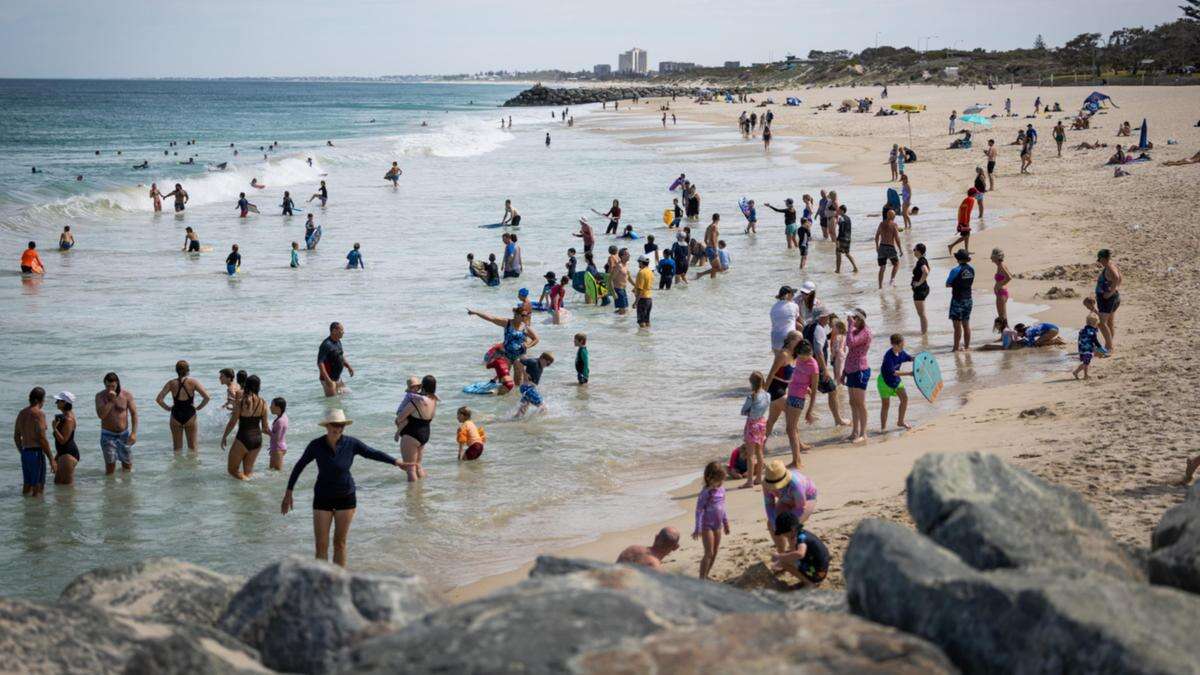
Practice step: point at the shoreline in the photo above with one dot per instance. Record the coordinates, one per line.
(849, 494)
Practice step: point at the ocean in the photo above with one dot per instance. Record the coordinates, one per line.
(661, 403)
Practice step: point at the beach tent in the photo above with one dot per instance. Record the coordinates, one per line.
(1094, 100)
(792, 100)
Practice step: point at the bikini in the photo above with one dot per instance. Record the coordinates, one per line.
(182, 409)
(1001, 292)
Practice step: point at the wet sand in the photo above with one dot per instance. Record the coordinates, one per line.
(1121, 438)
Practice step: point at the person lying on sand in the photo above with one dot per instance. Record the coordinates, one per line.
(1089, 146)
(665, 543)
(1021, 336)
(1194, 159)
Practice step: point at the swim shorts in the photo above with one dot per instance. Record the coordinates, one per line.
(622, 299)
(710, 253)
(473, 451)
(231, 269)
(343, 503)
(755, 431)
(796, 402)
(530, 395)
(991, 167)
(33, 466)
(857, 380)
(960, 310)
(886, 390)
(886, 253)
(791, 229)
(1085, 357)
(843, 246)
(115, 447)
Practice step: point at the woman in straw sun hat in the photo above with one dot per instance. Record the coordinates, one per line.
(333, 493)
(789, 491)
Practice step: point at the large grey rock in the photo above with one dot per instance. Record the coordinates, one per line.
(550, 566)
(1020, 621)
(191, 654)
(1175, 546)
(771, 643)
(994, 515)
(159, 589)
(806, 600)
(541, 624)
(299, 612)
(75, 638)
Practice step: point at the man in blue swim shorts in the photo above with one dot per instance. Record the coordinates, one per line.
(118, 424)
(533, 376)
(30, 436)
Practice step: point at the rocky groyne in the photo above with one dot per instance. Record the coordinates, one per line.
(1005, 573)
(558, 96)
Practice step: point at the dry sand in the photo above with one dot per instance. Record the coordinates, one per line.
(1121, 438)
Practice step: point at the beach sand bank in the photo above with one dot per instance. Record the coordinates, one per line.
(1119, 439)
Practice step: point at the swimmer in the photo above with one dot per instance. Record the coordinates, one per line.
(511, 217)
(181, 197)
(255, 184)
(191, 242)
(31, 263)
(233, 261)
(322, 193)
(354, 258)
(66, 240)
(393, 174)
(529, 390)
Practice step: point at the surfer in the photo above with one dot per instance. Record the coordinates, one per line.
(511, 217)
(243, 205)
(31, 263)
(255, 184)
(287, 204)
(181, 197)
(322, 193)
(157, 197)
(66, 240)
(191, 242)
(393, 174)
(233, 261)
(310, 233)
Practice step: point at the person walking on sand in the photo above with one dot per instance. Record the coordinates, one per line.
(1002, 279)
(953, 119)
(249, 415)
(334, 502)
(118, 424)
(965, 209)
(857, 373)
(817, 334)
(991, 153)
(889, 383)
(711, 519)
(29, 435)
(1108, 296)
(920, 285)
(887, 246)
(665, 543)
(980, 188)
(331, 361)
(183, 408)
(892, 162)
(1060, 136)
(959, 282)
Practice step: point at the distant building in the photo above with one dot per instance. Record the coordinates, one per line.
(733, 64)
(675, 66)
(602, 70)
(634, 61)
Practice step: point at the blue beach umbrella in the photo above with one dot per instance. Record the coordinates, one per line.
(976, 119)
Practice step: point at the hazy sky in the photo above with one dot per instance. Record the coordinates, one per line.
(136, 38)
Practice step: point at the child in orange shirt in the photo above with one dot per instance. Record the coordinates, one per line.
(470, 437)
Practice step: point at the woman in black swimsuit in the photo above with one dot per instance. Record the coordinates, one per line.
(66, 453)
(412, 426)
(250, 417)
(183, 408)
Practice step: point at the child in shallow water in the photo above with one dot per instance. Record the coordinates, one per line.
(710, 515)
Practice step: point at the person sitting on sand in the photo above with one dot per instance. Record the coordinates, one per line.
(1125, 129)
(1020, 138)
(806, 557)
(1119, 157)
(665, 543)
(1194, 159)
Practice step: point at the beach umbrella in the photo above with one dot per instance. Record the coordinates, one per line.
(1145, 139)
(975, 109)
(976, 119)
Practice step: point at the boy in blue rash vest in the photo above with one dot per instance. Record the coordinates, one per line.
(243, 205)
(1089, 343)
(751, 218)
(889, 383)
(1038, 335)
(354, 258)
(959, 282)
(583, 366)
(807, 557)
(533, 376)
(666, 272)
(233, 261)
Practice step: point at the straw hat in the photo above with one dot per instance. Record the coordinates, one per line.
(777, 475)
(335, 416)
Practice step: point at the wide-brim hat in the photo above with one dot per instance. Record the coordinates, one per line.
(776, 475)
(335, 417)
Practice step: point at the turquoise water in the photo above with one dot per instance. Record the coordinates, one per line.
(661, 403)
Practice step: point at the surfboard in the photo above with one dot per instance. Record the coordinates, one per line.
(908, 107)
(539, 306)
(668, 216)
(492, 226)
(252, 208)
(675, 186)
(311, 242)
(485, 387)
(37, 267)
(744, 205)
(590, 288)
(203, 249)
(927, 375)
(893, 200)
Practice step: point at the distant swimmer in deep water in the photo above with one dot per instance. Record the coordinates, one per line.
(393, 174)
(190, 160)
(191, 242)
(144, 165)
(329, 143)
(255, 184)
(34, 169)
(181, 197)
(547, 139)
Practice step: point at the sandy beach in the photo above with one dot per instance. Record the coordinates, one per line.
(1120, 438)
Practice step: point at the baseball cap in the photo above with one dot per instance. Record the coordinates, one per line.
(808, 287)
(524, 292)
(65, 396)
(643, 259)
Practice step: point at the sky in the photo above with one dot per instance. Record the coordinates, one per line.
(245, 38)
